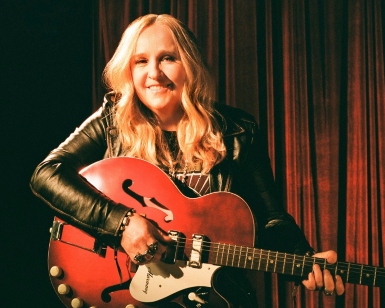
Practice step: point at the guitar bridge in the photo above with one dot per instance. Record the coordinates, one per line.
(175, 251)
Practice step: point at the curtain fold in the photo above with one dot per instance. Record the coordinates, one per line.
(312, 74)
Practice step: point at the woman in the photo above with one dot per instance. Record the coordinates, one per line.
(161, 109)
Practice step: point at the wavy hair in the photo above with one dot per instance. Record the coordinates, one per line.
(199, 136)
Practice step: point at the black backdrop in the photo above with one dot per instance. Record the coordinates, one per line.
(45, 93)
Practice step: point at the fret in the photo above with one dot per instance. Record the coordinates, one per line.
(292, 269)
(343, 271)
(228, 254)
(375, 276)
(221, 253)
(288, 267)
(362, 266)
(247, 258)
(271, 261)
(280, 262)
(260, 259)
(237, 255)
(216, 251)
(368, 275)
(303, 265)
(275, 263)
(233, 253)
(298, 265)
(348, 273)
(284, 263)
(240, 256)
(263, 260)
(267, 261)
(252, 259)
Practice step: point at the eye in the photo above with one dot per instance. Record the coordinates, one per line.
(140, 61)
(168, 59)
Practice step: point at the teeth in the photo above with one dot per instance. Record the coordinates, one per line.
(157, 88)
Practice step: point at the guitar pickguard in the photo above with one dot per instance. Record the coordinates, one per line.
(155, 281)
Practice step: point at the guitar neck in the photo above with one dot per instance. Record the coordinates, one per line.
(292, 264)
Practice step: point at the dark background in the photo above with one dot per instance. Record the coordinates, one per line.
(45, 92)
(327, 49)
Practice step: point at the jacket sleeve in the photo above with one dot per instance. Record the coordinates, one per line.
(57, 181)
(277, 229)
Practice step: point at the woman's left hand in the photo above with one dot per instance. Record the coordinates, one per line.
(323, 280)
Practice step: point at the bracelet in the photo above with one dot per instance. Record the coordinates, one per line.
(125, 221)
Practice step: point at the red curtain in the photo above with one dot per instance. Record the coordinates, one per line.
(312, 73)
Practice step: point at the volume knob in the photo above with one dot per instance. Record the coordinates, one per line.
(56, 271)
(63, 289)
(77, 303)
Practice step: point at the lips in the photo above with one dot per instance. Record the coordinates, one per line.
(158, 88)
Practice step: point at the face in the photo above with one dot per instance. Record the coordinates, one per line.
(158, 74)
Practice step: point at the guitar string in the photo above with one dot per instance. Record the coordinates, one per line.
(257, 253)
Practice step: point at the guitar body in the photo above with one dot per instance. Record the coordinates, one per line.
(220, 217)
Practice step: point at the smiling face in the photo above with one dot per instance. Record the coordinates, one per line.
(158, 74)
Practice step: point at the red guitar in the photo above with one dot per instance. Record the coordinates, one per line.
(215, 230)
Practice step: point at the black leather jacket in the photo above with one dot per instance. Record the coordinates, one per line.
(246, 171)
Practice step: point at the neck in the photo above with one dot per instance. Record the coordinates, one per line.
(169, 122)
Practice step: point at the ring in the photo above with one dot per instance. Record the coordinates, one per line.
(140, 258)
(329, 293)
(152, 248)
(148, 255)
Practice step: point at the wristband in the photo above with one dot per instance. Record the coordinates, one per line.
(125, 221)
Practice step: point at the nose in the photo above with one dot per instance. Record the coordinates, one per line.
(154, 70)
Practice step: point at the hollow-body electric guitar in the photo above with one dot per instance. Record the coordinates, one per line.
(209, 232)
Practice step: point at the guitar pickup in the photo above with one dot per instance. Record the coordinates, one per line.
(199, 250)
(175, 251)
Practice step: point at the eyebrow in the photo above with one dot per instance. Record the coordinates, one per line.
(160, 52)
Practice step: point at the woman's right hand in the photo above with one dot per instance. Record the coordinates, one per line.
(140, 235)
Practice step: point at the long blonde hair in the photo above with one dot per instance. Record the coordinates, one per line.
(199, 136)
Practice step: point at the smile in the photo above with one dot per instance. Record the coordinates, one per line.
(158, 88)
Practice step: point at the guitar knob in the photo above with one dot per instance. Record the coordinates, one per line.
(56, 271)
(130, 306)
(195, 298)
(77, 303)
(63, 289)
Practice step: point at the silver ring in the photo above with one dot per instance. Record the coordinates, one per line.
(152, 248)
(329, 293)
(140, 258)
(147, 256)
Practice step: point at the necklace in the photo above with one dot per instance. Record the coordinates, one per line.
(175, 155)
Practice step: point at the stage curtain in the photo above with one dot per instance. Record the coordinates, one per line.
(312, 74)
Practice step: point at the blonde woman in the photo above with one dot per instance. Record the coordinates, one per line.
(161, 109)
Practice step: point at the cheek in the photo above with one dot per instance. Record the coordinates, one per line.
(137, 79)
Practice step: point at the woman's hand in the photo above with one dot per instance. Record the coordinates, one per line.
(323, 280)
(143, 241)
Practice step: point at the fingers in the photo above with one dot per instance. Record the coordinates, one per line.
(323, 279)
(340, 287)
(153, 253)
(330, 256)
(143, 242)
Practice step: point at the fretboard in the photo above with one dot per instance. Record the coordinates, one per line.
(292, 264)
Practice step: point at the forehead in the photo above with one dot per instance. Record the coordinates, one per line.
(155, 37)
